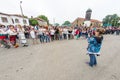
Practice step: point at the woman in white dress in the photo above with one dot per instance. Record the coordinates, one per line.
(21, 35)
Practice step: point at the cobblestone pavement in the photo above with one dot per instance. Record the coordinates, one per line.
(61, 60)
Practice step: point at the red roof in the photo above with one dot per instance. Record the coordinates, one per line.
(92, 20)
(79, 18)
(40, 19)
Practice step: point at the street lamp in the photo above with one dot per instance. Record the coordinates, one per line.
(21, 8)
(53, 21)
(22, 11)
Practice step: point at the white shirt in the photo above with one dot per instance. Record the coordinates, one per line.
(52, 32)
(44, 30)
(10, 32)
(32, 33)
(2, 31)
(65, 31)
(40, 31)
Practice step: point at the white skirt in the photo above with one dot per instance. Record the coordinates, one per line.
(32, 35)
(22, 38)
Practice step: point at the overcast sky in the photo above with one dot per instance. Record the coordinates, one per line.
(61, 10)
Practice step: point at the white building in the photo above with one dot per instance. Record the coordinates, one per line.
(41, 22)
(12, 19)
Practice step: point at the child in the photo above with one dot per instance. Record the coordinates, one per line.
(94, 46)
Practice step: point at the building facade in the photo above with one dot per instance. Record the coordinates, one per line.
(41, 22)
(13, 19)
(80, 22)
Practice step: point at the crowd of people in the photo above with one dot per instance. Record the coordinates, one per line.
(14, 36)
(112, 30)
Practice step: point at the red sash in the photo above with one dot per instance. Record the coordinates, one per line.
(2, 37)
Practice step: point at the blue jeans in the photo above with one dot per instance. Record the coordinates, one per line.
(47, 38)
(60, 37)
(93, 60)
(41, 38)
(65, 36)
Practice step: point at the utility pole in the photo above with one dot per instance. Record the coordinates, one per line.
(21, 11)
(54, 21)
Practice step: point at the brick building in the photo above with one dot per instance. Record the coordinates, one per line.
(80, 22)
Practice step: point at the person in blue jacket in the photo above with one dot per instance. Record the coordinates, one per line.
(94, 46)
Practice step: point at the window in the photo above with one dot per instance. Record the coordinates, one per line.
(24, 21)
(12, 21)
(16, 20)
(4, 19)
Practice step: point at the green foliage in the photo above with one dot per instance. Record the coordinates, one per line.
(25, 17)
(111, 20)
(66, 23)
(56, 24)
(44, 18)
(33, 22)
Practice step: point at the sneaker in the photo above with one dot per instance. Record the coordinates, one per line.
(98, 54)
(7, 46)
(95, 64)
(25, 45)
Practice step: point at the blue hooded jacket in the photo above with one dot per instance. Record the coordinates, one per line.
(94, 44)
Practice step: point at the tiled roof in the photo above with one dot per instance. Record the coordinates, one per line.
(18, 15)
(92, 20)
(40, 19)
(79, 18)
(4, 14)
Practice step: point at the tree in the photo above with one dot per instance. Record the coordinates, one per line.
(25, 16)
(33, 22)
(56, 24)
(44, 18)
(66, 23)
(111, 20)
